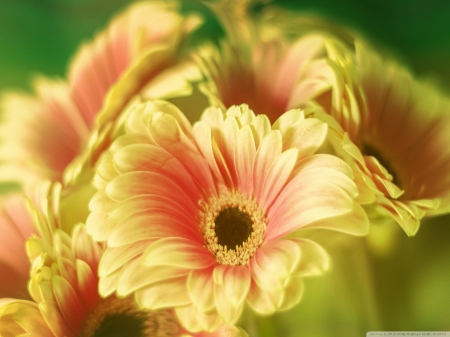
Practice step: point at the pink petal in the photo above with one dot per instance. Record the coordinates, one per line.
(55, 319)
(178, 252)
(155, 223)
(196, 321)
(88, 284)
(277, 176)
(131, 184)
(299, 55)
(268, 151)
(203, 136)
(152, 203)
(69, 303)
(244, 158)
(85, 248)
(306, 200)
(167, 133)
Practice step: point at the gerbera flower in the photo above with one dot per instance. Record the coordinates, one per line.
(403, 137)
(15, 228)
(64, 286)
(42, 134)
(273, 73)
(197, 218)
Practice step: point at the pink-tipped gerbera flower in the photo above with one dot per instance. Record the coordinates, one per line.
(196, 218)
(44, 133)
(64, 287)
(403, 137)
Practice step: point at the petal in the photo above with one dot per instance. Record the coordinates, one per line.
(85, 248)
(88, 284)
(203, 135)
(168, 294)
(277, 176)
(235, 281)
(244, 158)
(292, 293)
(18, 315)
(261, 128)
(314, 259)
(151, 203)
(274, 262)
(178, 252)
(268, 151)
(227, 311)
(150, 225)
(108, 284)
(55, 319)
(230, 132)
(100, 226)
(69, 303)
(115, 257)
(195, 321)
(307, 136)
(135, 275)
(200, 285)
(130, 184)
(303, 202)
(264, 301)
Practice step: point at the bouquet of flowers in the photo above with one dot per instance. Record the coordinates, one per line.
(173, 185)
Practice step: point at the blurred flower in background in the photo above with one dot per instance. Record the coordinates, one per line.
(389, 127)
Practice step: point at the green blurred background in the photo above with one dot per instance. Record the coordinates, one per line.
(408, 289)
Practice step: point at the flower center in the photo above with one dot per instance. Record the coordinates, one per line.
(369, 150)
(117, 317)
(233, 227)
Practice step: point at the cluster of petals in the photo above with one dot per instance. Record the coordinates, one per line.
(63, 287)
(154, 189)
(403, 137)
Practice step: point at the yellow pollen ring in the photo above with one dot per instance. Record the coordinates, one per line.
(241, 254)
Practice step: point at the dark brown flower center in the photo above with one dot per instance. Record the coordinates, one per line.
(233, 227)
(117, 317)
(369, 150)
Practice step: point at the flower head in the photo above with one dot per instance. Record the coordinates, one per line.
(400, 142)
(64, 287)
(196, 218)
(44, 133)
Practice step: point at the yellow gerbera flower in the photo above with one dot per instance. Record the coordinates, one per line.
(196, 218)
(64, 287)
